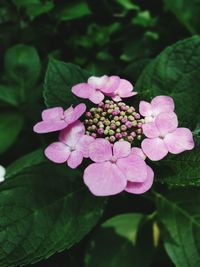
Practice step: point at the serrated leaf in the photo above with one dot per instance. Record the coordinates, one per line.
(178, 211)
(44, 209)
(10, 126)
(59, 79)
(114, 244)
(180, 170)
(175, 72)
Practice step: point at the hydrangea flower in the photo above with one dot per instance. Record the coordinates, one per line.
(2, 173)
(108, 132)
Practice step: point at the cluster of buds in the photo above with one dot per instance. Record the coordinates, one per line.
(114, 121)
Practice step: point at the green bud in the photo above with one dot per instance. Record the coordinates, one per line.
(118, 130)
(131, 118)
(122, 113)
(108, 128)
(139, 137)
(101, 126)
(102, 119)
(109, 111)
(103, 113)
(86, 121)
(95, 120)
(107, 101)
(107, 122)
(117, 123)
(106, 132)
(111, 132)
(116, 118)
(134, 123)
(97, 116)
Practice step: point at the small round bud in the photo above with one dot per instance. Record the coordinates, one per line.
(139, 125)
(107, 122)
(128, 124)
(133, 134)
(124, 134)
(130, 138)
(86, 121)
(116, 118)
(139, 131)
(95, 120)
(106, 106)
(111, 132)
(117, 123)
(100, 131)
(107, 101)
(102, 119)
(134, 123)
(109, 111)
(88, 114)
(122, 113)
(97, 116)
(139, 137)
(88, 133)
(131, 118)
(101, 104)
(90, 122)
(106, 132)
(123, 128)
(101, 126)
(118, 130)
(94, 135)
(93, 127)
(112, 139)
(113, 126)
(115, 112)
(93, 109)
(124, 120)
(118, 135)
(99, 109)
(103, 114)
(137, 116)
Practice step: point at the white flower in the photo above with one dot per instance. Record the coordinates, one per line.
(2, 173)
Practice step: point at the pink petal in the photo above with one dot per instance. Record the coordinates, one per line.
(121, 149)
(155, 149)
(98, 82)
(133, 167)
(96, 97)
(145, 108)
(72, 133)
(150, 130)
(111, 85)
(179, 140)
(49, 126)
(75, 159)
(162, 104)
(75, 114)
(52, 113)
(104, 179)
(83, 144)
(68, 115)
(140, 188)
(82, 90)
(124, 88)
(100, 150)
(149, 119)
(166, 123)
(138, 152)
(57, 152)
(116, 98)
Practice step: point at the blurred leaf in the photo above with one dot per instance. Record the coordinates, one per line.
(35, 8)
(75, 10)
(180, 170)
(114, 244)
(44, 209)
(128, 4)
(178, 211)
(22, 64)
(10, 126)
(187, 12)
(9, 94)
(144, 19)
(175, 72)
(59, 79)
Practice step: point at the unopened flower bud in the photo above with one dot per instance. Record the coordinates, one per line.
(123, 128)
(112, 139)
(130, 138)
(131, 118)
(118, 135)
(118, 130)
(100, 131)
(124, 134)
(133, 134)
(137, 116)
(117, 123)
(94, 135)
(116, 118)
(139, 137)
(128, 124)
(88, 114)
(111, 132)
(113, 126)
(95, 120)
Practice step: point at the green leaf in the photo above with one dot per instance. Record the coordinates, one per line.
(44, 209)
(178, 211)
(59, 79)
(75, 10)
(114, 244)
(180, 170)
(175, 72)
(9, 95)
(34, 8)
(10, 126)
(22, 64)
(187, 12)
(128, 4)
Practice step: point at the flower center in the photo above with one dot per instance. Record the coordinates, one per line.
(113, 159)
(114, 122)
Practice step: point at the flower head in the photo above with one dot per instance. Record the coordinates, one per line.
(2, 173)
(55, 119)
(72, 146)
(163, 136)
(115, 166)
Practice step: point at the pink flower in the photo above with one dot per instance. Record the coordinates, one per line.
(124, 90)
(164, 136)
(95, 87)
(139, 188)
(55, 119)
(71, 147)
(114, 167)
(158, 105)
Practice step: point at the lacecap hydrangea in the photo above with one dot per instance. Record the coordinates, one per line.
(108, 132)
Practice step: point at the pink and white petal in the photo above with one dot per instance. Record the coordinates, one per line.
(52, 113)
(76, 114)
(100, 150)
(150, 130)
(116, 98)
(104, 179)
(121, 149)
(111, 85)
(155, 148)
(82, 90)
(130, 94)
(162, 104)
(148, 119)
(138, 152)
(140, 188)
(68, 115)
(72, 133)
(83, 145)
(166, 123)
(75, 159)
(145, 108)
(179, 140)
(96, 97)
(133, 167)
(98, 82)
(57, 152)
(49, 126)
